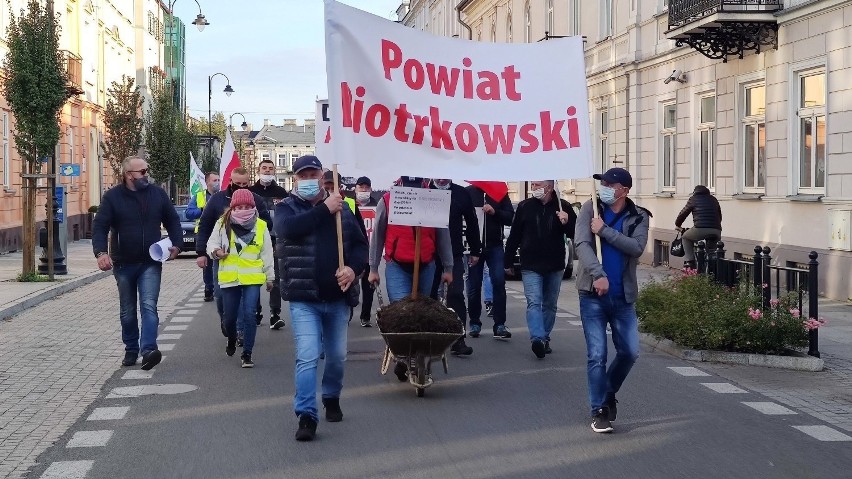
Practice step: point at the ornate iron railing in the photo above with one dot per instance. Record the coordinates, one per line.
(73, 64)
(682, 12)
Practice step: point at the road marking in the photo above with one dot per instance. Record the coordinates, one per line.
(770, 408)
(724, 388)
(176, 327)
(90, 438)
(575, 323)
(108, 413)
(688, 371)
(68, 470)
(136, 391)
(823, 433)
(565, 315)
(138, 374)
(166, 347)
(168, 337)
(187, 311)
(182, 319)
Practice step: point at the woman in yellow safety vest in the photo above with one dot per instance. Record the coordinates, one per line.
(242, 244)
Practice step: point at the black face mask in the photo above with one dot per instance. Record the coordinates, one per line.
(232, 188)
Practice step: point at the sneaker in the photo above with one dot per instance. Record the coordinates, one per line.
(129, 358)
(240, 339)
(151, 359)
(258, 318)
(601, 422)
(475, 329)
(365, 323)
(275, 322)
(307, 428)
(332, 409)
(538, 348)
(489, 309)
(208, 295)
(459, 348)
(502, 332)
(401, 371)
(547, 349)
(246, 361)
(611, 406)
(222, 325)
(231, 348)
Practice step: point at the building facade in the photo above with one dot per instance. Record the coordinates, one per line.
(765, 123)
(282, 144)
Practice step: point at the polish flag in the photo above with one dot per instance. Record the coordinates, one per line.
(229, 162)
(495, 189)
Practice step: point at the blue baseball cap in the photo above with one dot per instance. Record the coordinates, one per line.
(305, 162)
(616, 175)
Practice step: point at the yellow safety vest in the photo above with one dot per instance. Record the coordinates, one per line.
(245, 267)
(350, 202)
(200, 202)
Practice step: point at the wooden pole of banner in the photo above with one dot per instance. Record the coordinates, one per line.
(415, 281)
(339, 220)
(597, 215)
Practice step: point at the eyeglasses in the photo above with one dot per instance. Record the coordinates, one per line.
(142, 171)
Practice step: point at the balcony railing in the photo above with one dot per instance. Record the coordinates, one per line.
(73, 64)
(682, 12)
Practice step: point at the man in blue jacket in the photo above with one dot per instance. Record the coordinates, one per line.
(134, 211)
(193, 212)
(319, 290)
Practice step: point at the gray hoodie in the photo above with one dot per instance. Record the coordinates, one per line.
(631, 241)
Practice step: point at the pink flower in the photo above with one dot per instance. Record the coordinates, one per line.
(755, 313)
(795, 312)
(690, 271)
(813, 323)
(774, 302)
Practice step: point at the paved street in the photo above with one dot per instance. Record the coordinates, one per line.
(68, 410)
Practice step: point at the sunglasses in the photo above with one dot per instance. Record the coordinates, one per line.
(143, 171)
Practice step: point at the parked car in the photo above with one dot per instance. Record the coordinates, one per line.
(188, 227)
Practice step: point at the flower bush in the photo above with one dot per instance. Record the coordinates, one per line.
(695, 312)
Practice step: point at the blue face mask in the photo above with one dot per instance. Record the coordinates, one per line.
(606, 194)
(308, 189)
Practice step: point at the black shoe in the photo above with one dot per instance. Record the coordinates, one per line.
(208, 295)
(275, 322)
(129, 358)
(459, 348)
(224, 331)
(489, 309)
(401, 371)
(231, 348)
(246, 361)
(307, 428)
(332, 409)
(258, 318)
(611, 406)
(538, 348)
(547, 349)
(151, 359)
(601, 422)
(365, 323)
(240, 339)
(501, 332)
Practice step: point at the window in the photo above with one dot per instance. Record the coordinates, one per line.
(603, 134)
(264, 157)
(509, 27)
(282, 160)
(293, 157)
(7, 162)
(811, 130)
(527, 24)
(706, 140)
(575, 17)
(606, 19)
(549, 18)
(667, 144)
(754, 136)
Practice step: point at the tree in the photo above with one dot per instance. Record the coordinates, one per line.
(168, 142)
(123, 120)
(209, 160)
(35, 89)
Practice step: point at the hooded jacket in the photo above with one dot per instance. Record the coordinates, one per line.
(503, 215)
(705, 209)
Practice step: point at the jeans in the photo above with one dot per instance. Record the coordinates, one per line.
(275, 293)
(542, 291)
(318, 327)
(487, 285)
(207, 275)
(596, 312)
(144, 278)
(220, 305)
(492, 261)
(236, 298)
(366, 297)
(399, 281)
(455, 290)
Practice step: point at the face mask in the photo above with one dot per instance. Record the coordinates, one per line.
(141, 183)
(215, 187)
(266, 179)
(607, 194)
(233, 187)
(362, 196)
(441, 184)
(538, 194)
(243, 216)
(308, 189)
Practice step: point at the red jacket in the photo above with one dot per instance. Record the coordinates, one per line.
(400, 240)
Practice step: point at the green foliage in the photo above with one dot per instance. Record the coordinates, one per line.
(695, 312)
(35, 83)
(93, 209)
(168, 141)
(123, 120)
(32, 278)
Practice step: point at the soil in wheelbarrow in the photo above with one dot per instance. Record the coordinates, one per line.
(421, 315)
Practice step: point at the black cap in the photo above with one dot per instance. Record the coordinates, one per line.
(616, 175)
(364, 181)
(305, 162)
(328, 177)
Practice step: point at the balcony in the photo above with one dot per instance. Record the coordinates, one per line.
(73, 65)
(722, 28)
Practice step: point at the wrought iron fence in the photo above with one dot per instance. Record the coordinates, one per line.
(682, 12)
(767, 278)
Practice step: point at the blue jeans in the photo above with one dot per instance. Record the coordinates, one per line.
(596, 312)
(542, 291)
(220, 305)
(144, 278)
(487, 286)
(239, 304)
(207, 275)
(318, 327)
(491, 261)
(399, 281)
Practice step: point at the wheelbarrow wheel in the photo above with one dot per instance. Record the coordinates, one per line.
(422, 372)
(421, 392)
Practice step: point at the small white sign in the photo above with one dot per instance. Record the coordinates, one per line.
(419, 207)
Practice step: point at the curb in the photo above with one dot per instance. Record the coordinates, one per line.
(797, 363)
(51, 293)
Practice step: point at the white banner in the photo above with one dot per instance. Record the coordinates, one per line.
(419, 207)
(410, 103)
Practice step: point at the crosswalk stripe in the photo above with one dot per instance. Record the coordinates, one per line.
(724, 388)
(182, 319)
(166, 347)
(688, 371)
(138, 374)
(169, 336)
(176, 327)
(823, 433)
(770, 408)
(108, 413)
(68, 470)
(90, 438)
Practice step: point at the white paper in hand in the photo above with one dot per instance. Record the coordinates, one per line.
(159, 251)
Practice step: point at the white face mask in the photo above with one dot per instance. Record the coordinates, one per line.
(362, 196)
(266, 179)
(441, 184)
(538, 193)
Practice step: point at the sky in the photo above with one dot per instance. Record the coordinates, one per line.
(272, 51)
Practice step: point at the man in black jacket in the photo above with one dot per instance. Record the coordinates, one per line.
(318, 289)
(461, 210)
(497, 215)
(272, 194)
(706, 221)
(213, 211)
(134, 212)
(539, 229)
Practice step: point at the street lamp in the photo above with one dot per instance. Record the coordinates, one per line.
(228, 90)
(244, 126)
(199, 21)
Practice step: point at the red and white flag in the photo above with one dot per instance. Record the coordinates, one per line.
(229, 162)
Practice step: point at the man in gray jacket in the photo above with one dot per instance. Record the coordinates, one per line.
(608, 288)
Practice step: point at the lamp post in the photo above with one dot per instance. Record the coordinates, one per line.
(199, 21)
(244, 126)
(228, 90)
